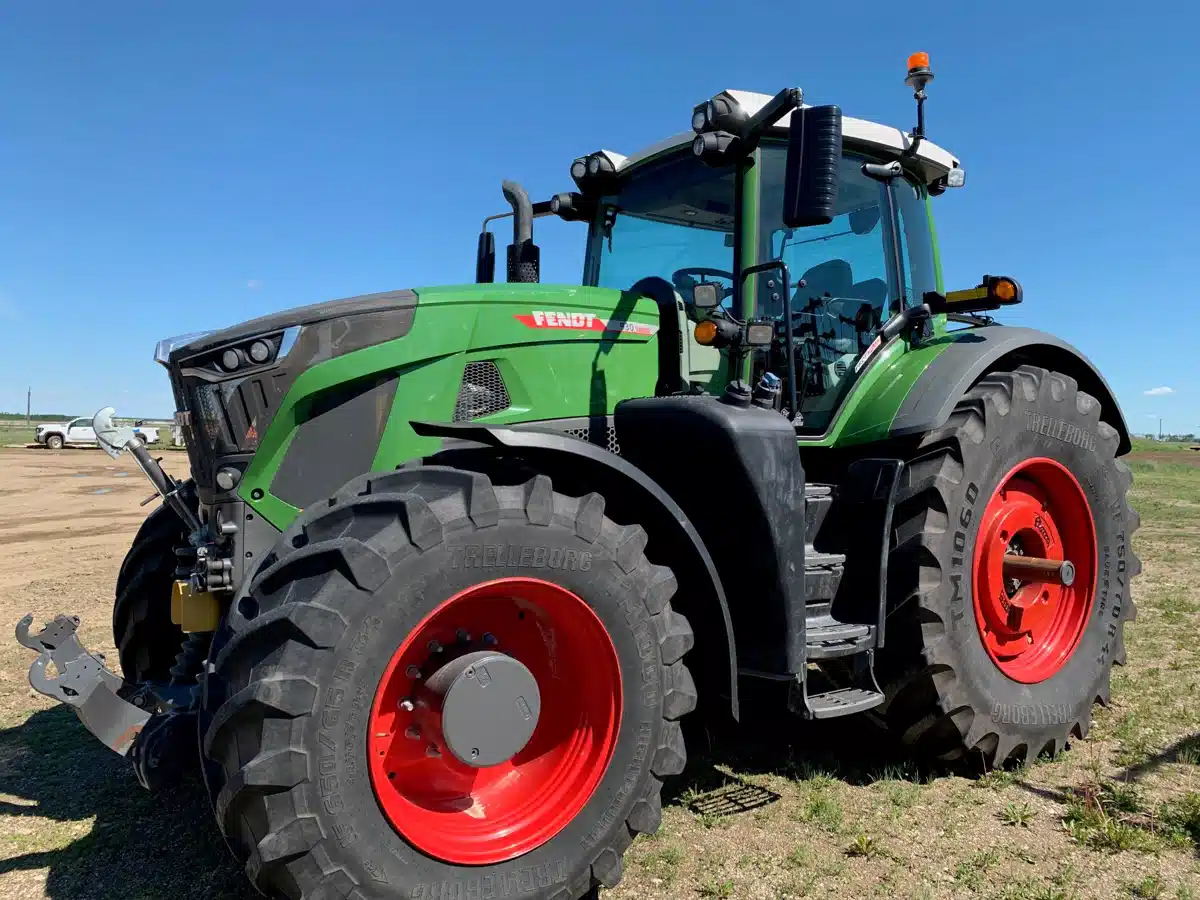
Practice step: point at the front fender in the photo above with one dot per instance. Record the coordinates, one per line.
(976, 352)
(630, 495)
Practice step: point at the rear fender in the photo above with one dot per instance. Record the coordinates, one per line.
(997, 348)
(576, 466)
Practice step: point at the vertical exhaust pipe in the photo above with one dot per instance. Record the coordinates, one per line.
(523, 255)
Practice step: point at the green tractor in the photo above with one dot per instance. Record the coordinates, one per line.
(455, 562)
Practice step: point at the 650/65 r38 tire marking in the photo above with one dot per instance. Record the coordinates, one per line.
(295, 714)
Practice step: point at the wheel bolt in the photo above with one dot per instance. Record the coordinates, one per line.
(413, 672)
(433, 752)
(434, 647)
(474, 753)
(406, 705)
(463, 636)
(412, 732)
(490, 639)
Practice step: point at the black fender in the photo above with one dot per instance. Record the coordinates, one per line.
(978, 351)
(630, 495)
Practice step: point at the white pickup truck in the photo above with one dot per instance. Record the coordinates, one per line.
(80, 431)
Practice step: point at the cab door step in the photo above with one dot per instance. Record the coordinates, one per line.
(842, 702)
(827, 638)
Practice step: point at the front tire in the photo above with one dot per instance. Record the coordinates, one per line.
(147, 640)
(974, 662)
(329, 781)
(54, 442)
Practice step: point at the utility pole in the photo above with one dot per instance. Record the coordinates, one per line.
(28, 394)
(1160, 428)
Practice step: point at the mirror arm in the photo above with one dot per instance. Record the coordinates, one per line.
(779, 264)
(786, 101)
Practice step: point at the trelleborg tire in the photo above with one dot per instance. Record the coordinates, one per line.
(329, 772)
(973, 663)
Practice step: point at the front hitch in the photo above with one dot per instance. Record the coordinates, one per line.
(91, 689)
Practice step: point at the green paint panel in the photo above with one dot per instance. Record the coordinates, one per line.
(562, 350)
(867, 412)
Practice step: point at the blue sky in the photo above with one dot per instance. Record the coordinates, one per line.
(172, 167)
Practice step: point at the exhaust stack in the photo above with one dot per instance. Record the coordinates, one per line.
(523, 255)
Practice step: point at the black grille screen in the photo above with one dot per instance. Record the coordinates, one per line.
(482, 392)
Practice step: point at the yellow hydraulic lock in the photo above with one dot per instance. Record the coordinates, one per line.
(191, 611)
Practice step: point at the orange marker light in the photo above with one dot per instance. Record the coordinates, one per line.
(706, 332)
(918, 61)
(1004, 290)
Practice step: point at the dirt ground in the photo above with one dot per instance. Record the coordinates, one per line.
(790, 811)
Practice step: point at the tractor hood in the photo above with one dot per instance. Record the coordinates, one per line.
(230, 384)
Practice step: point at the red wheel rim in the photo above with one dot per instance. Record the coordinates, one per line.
(476, 816)
(1030, 629)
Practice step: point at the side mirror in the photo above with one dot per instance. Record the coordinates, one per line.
(485, 258)
(814, 155)
(707, 295)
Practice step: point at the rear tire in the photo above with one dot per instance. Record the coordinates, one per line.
(146, 639)
(293, 701)
(956, 681)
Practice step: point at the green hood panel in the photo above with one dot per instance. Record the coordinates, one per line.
(562, 351)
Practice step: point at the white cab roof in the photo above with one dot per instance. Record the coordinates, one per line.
(858, 132)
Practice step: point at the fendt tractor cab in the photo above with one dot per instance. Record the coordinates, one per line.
(454, 563)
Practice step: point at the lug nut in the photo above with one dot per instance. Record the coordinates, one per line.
(433, 752)
(413, 672)
(412, 732)
(434, 647)
(406, 705)
(490, 639)
(463, 636)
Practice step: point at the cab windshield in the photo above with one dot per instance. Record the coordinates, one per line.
(846, 279)
(672, 221)
(675, 220)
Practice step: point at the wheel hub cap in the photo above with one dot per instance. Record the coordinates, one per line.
(495, 721)
(1030, 625)
(488, 704)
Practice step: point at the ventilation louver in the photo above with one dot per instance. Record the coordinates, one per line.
(482, 392)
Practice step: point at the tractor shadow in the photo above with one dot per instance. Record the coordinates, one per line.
(771, 741)
(110, 837)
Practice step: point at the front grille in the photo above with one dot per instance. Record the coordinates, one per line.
(482, 392)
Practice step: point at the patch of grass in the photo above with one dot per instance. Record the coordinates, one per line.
(1093, 823)
(971, 873)
(864, 845)
(799, 858)
(1061, 887)
(1149, 888)
(1188, 752)
(716, 889)
(1136, 742)
(662, 863)
(999, 779)
(1181, 817)
(1017, 814)
(823, 811)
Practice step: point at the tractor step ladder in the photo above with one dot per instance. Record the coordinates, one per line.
(840, 701)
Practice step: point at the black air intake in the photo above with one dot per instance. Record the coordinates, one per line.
(482, 392)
